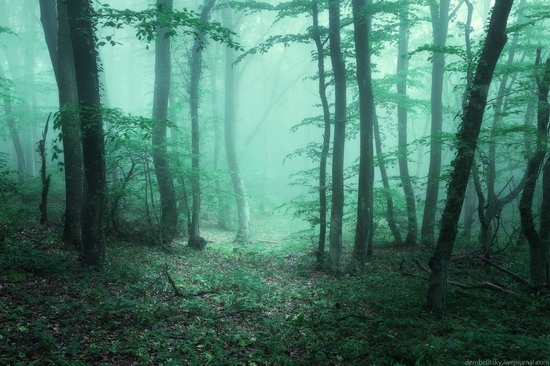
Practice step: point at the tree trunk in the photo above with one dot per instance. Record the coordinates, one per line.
(221, 215)
(390, 212)
(243, 210)
(44, 176)
(467, 136)
(168, 209)
(58, 38)
(361, 26)
(538, 242)
(402, 121)
(440, 26)
(93, 149)
(195, 240)
(326, 133)
(491, 209)
(339, 71)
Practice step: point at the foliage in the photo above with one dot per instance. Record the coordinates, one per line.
(147, 22)
(263, 304)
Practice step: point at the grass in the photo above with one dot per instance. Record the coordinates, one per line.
(262, 303)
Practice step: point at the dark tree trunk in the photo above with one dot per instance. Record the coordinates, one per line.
(440, 24)
(390, 212)
(402, 121)
(538, 242)
(493, 207)
(239, 189)
(467, 136)
(361, 23)
(168, 209)
(58, 39)
(326, 133)
(195, 240)
(44, 176)
(93, 148)
(339, 71)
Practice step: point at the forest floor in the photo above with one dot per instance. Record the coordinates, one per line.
(255, 304)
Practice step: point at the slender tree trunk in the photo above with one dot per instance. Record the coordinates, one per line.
(367, 113)
(168, 209)
(243, 210)
(58, 38)
(538, 242)
(326, 133)
(195, 240)
(390, 212)
(339, 72)
(10, 119)
(486, 233)
(467, 137)
(44, 176)
(440, 24)
(402, 121)
(221, 215)
(94, 207)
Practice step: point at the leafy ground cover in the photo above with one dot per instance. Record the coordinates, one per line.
(263, 303)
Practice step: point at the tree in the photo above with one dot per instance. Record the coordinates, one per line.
(93, 149)
(169, 215)
(8, 110)
(440, 25)
(239, 189)
(339, 74)
(361, 22)
(467, 137)
(58, 39)
(402, 121)
(538, 241)
(195, 240)
(319, 46)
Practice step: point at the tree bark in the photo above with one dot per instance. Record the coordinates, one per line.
(316, 35)
(440, 25)
(163, 64)
(467, 137)
(239, 189)
(339, 72)
(402, 121)
(538, 241)
(58, 39)
(94, 207)
(195, 240)
(361, 26)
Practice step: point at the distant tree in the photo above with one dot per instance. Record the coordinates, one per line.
(467, 138)
(339, 74)
(14, 134)
(58, 39)
(538, 240)
(239, 189)
(168, 215)
(93, 149)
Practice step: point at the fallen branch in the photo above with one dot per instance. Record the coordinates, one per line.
(511, 274)
(177, 291)
(487, 285)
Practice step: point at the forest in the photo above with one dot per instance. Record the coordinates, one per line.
(278, 182)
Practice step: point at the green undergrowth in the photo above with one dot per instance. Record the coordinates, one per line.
(262, 303)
